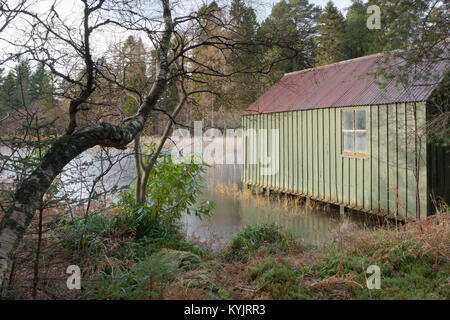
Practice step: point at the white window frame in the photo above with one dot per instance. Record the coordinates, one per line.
(353, 131)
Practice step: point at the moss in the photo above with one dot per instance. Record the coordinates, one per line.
(278, 280)
(407, 271)
(182, 260)
(254, 238)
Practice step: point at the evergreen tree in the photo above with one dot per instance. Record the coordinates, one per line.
(24, 88)
(244, 27)
(218, 62)
(41, 89)
(131, 66)
(406, 22)
(419, 29)
(331, 41)
(10, 96)
(2, 100)
(22, 76)
(358, 38)
(291, 28)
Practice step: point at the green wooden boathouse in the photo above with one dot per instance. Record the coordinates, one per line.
(331, 134)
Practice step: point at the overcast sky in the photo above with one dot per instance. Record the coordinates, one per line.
(69, 10)
(264, 10)
(341, 4)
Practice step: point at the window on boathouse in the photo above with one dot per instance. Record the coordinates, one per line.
(354, 132)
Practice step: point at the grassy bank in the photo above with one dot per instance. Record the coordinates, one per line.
(259, 262)
(414, 264)
(140, 252)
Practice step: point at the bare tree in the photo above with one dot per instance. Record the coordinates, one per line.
(29, 193)
(65, 47)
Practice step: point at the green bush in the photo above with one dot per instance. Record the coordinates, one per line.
(145, 281)
(278, 280)
(169, 239)
(172, 188)
(84, 234)
(256, 237)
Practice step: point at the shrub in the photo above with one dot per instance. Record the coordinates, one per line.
(278, 280)
(84, 234)
(172, 188)
(254, 238)
(145, 281)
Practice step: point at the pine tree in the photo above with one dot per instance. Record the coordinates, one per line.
(358, 38)
(331, 42)
(41, 89)
(9, 95)
(2, 100)
(22, 77)
(292, 29)
(131, 65)
(244, 27)
(218, 63)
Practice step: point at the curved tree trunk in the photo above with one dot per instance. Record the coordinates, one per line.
(29, 193)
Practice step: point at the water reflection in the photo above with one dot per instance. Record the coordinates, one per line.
(235, 209)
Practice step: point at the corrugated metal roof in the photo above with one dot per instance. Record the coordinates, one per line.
(346, 83)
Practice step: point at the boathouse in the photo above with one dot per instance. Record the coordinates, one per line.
(332, 134)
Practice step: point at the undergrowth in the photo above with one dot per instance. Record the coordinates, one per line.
(253, 238)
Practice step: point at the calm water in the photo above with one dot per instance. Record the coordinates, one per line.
(234, 208)
(234, 211)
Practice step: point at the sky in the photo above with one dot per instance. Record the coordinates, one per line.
(66, 9)
(265, 6)
(341, 4)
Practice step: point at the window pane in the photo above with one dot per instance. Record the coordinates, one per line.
(348, 141)
(361, 142)
(361, 120)
(348, 120)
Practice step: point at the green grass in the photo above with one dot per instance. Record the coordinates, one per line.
(407, 271)
(278, 280)
(413, 263)
(256, 237)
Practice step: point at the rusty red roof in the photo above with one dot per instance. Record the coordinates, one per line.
(346, 83)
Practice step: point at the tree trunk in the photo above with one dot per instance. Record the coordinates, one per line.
(30, 192)
(144, 175)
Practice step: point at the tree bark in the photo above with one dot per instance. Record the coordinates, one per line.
(146, 168)
(30, 192)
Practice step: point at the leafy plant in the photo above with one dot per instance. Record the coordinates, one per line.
(145, 281)
(278, 280)
(255, 237)
(80, 234)
(172, 188)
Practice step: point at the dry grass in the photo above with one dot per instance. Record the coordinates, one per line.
(267, 199)
(217, 279)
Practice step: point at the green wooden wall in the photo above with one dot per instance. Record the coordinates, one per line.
(310, 161)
